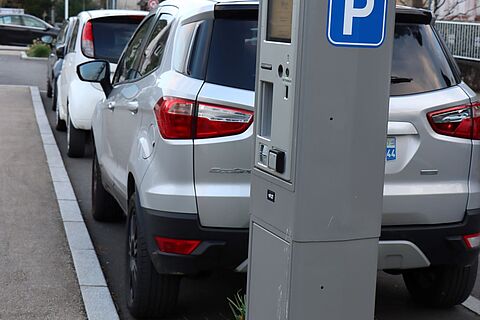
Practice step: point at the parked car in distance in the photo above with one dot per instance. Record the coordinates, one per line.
(97, 34)
(22, 29)
(173, 142)
(55, 63)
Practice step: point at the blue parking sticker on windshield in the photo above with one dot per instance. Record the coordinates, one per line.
(391, 149)
(357, 23)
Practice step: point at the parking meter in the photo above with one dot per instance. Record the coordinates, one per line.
(322, 94)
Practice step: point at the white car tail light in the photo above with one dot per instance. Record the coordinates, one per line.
(87, 40)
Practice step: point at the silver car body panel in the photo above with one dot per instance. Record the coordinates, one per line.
(413, 198)
(222, 177)
(430, 182)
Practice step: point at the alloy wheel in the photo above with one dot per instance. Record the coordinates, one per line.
(132, 254)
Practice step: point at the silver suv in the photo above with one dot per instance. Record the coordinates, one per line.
(173, 142)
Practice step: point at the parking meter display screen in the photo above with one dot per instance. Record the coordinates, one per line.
(279, 26)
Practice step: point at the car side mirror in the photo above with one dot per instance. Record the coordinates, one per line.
(47, 39)
(60, 51)
(97, 71)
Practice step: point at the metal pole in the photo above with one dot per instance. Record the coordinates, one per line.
(66, 9)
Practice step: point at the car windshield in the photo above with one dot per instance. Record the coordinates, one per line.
(419, 64)
(112, 34)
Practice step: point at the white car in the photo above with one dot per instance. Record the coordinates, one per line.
(98, 34)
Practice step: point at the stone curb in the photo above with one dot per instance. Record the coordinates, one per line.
(24, 56)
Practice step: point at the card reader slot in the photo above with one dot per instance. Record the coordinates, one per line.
(266, 109)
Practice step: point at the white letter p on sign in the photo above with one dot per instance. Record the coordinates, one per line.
(352, 12)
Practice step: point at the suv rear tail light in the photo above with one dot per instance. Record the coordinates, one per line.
(176, 119)
(87, 40)
(472, 241)
(177, 246)
(459, 122)
(216, 121)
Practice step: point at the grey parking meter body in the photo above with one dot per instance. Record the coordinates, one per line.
(322, 95)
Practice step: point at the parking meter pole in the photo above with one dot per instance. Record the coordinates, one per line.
(322, 94)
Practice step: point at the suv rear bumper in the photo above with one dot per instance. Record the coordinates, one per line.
(441, 244)
(228, 248)
(220, 248)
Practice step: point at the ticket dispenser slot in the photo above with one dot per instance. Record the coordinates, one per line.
(266, 109)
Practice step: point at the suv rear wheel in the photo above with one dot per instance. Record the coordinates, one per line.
(149, 294)
(441, 286)
(104, 206)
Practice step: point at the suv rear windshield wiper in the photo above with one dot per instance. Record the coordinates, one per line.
(395, 79)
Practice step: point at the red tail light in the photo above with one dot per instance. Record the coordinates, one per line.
(87, 40)
(459, 122)
(476, 121)
(216, 121)
(472, 240)
(176, 119)
(177, 246)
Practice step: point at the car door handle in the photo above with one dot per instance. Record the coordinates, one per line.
(132, 106)
(111, 105)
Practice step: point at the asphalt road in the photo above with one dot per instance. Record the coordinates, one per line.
(200, 298)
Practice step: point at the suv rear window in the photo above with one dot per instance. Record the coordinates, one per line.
(419, 63)
(232, 53)
(112, 34)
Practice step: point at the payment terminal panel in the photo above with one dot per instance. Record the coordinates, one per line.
(276, 86)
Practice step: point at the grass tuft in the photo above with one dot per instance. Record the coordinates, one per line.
(238, 306)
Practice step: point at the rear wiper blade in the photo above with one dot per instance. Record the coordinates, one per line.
(395, 79)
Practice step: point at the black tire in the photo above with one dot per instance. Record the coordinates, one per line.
(49, 88)
(75, 140)
(104, 206)
(54, 96)
(60, 124)
(149, 294)
(441, 286)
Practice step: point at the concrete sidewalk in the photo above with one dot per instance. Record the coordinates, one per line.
(37, 277)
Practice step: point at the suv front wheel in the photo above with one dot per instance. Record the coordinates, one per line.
(441, 286)
(75, 140)
(149, 294)
(60, 124)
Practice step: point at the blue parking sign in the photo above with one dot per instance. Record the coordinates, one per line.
(357, 23)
